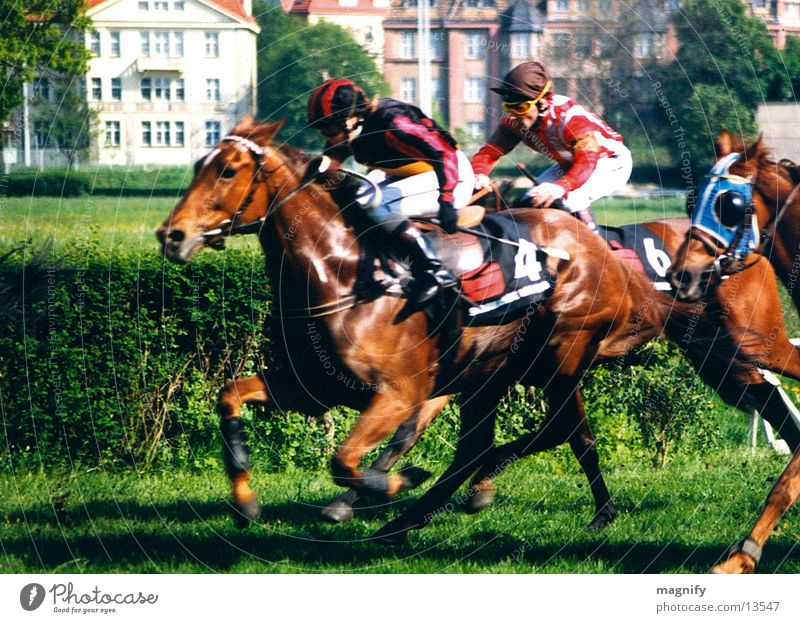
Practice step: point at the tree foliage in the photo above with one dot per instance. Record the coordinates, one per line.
(39, 34)
(294, 58)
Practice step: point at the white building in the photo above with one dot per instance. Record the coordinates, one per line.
(169, 77)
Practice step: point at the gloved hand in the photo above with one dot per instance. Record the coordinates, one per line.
(448, 217)
(545, 194)
(482, 181)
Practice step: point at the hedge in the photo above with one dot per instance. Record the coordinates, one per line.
(98, 180)
(120, 359)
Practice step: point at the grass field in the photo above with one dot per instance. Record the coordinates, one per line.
(678, 519)
(130, 222)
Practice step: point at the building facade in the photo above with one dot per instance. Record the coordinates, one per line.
(168, 78)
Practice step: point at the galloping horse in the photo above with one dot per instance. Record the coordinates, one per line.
(771, 219)
(386, 361)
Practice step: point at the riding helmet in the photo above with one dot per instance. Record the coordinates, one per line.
(334, 101)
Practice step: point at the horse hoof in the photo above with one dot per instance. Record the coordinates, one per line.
(246, 513)
(337, 512)
(391, 534)
(478, 500)
(413, 477)
(602, 519)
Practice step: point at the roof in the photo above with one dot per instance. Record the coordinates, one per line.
(234, 7)
(333, 7)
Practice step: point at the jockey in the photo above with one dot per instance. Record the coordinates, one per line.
(590, 159)
(418, 166)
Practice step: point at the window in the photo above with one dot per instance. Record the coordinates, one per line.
(759, 4)
(560, 86)
(520, 45)
(408, 89)
(562, 5)
(97, 89)
(474, 90)
(144, 5)
(479, 4)
(408, 44)
(116, 89)
(161, 89)
(112, 133)
(583, 44)
(179, 141)
(561, 41)
(437, 44)
(115, 49)
(145, 36)
(147, 133)
(146, 89)
(436, 89)
(212, 89)
(475, 129)
(212, 133)
(180, 92)
(583, 5)
(178, 6)
(161, 45)
(177, 41)
(94, 43)
(162, 134)
(476, 45)
(212, 44)
(41, 136)
(41, 88)
(604, 6)
(648, 45)
(160, 5)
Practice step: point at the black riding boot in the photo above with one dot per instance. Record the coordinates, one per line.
(429, 273)
(585, 217)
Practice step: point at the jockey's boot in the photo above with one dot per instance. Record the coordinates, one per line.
(429, 273)
(585, 217)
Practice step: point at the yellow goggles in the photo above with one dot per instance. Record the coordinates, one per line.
(523, 108)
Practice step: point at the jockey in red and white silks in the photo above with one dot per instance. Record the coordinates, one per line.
(591, 160)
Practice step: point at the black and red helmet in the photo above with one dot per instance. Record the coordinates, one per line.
(334, 101)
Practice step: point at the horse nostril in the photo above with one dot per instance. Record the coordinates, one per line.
(176, 235)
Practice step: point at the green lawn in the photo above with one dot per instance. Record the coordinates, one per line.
(130, 222)
(679, 519)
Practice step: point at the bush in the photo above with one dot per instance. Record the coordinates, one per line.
(57, 182)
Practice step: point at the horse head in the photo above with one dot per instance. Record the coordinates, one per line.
(730, 213)
(229, 192)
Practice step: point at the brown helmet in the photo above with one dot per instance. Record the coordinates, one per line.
(528, 81)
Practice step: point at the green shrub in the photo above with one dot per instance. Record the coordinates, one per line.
(56, 182)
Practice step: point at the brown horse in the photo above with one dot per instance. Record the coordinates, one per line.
(401, 374)
(696, 272)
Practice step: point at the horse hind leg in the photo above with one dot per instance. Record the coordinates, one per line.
(745, 556)
(405, 437)
(566, 422)
(234, 450)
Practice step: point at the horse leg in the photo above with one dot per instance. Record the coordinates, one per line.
(566, 421)
(385, 414)
(745, 556)
(475, 439)
(341, 509)
(237, 460)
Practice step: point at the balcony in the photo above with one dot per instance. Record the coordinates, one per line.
(159, 63)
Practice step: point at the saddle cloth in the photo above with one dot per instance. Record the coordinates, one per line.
(502, 273)
(643, 249)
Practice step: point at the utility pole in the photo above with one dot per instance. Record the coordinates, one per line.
(26, 134)
(424, 77)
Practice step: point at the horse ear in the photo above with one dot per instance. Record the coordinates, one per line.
(752, 151)
(724, 144)
(243, 126)
(265, 132)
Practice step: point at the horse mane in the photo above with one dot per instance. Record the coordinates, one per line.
(791, 168)
(293, 155)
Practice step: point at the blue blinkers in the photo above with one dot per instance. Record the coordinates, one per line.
(723, 209)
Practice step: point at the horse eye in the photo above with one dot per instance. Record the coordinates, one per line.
(228, 173)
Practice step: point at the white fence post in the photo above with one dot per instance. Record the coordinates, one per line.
(779, 445)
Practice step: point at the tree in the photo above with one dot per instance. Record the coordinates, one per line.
(65, 117)
(34, 39)
(294, 58)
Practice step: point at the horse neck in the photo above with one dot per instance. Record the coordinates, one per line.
(785, 241)
(308, 246)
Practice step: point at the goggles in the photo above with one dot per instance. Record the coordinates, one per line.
(523, 108)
